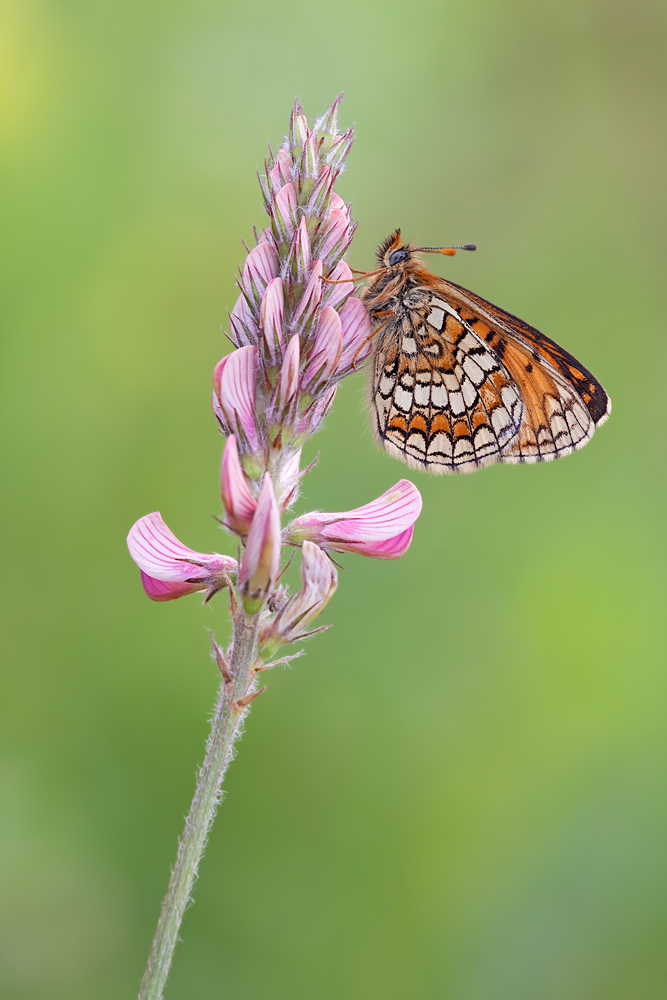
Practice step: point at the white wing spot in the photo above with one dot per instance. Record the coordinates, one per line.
(456, 403)
(403, 399)
(422, 395)
(469, 393)
(439, 396)
(436, 317)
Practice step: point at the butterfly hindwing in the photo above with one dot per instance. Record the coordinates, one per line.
(442, 399)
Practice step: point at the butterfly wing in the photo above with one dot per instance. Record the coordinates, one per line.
(441, 398)
(563, 401)
(458, 384)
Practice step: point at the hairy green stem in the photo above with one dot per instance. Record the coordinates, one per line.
(225, 728)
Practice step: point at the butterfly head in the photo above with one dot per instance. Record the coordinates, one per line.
(394, 254)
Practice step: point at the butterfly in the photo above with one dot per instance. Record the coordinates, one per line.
(457, 383)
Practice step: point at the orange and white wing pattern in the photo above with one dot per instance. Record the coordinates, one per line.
(458, 384)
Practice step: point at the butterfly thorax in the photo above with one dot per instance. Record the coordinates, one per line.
(397, 288)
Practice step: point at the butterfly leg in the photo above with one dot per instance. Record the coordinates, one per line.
(389, 313)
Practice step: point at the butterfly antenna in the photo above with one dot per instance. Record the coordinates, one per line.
(449, 251)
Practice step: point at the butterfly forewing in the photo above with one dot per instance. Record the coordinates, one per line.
(458, 383)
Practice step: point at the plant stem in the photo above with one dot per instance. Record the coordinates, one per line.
(224, 730)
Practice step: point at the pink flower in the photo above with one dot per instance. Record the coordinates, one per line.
(243, 323)
(290, 474)
(302, 251)
(289, 373)
(319, 581)
(261, 560)
(260, 268)
(320, 191)
(238, 501)
(284, 212)
(335, 232)
(312, 294)
(170, 569)
(271, 318)
(335, 294)
(315, 414)
(356, 328)
(338, 205)
(326, 349)
(281, 172)
(234, 394)
(382, 528)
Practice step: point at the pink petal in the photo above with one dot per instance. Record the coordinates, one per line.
(388, 516)
(290, 474)
(271, 317)
(302, 249)
(243, 322)
(338, 205)
(238, 501)
(163, 559)
(356, 327)
(285, 210)
(290, 469)
(335, 232)
(320, 190)
(390, 548)
(261, 560)
(261, 267)
(234, 385)
(320, 410)
(160, 590)
(327, 346)
(281, 173)
(289, 373)
(312, 293)
(335, 294)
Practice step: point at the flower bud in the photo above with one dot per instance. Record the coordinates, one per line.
(289, 373)
(302, 251)
(283, 211)
(234, 395)
(261, 559)
(320, 193)
(312, 294)
(271, 319)
(326, 348)
(243, 323)
(335, 233)
(319, 581)
(334, 294)
(260, 268)
(281, 172)
(315, 414)
(290, 474)
(356, 330)
(238, 501)
(298, 126)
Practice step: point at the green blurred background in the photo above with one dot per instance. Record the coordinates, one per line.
(461, 791)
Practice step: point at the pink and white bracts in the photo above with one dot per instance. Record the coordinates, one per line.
(298, 329)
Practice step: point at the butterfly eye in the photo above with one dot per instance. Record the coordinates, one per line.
(397, 257)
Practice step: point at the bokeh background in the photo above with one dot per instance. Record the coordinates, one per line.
(461, 792)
